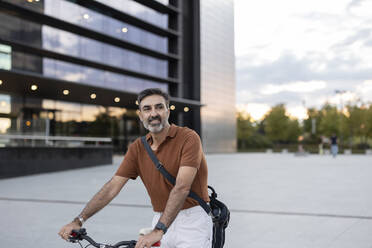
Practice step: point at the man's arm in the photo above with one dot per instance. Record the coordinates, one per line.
(178, 194)
(99, 200)
(177, 197)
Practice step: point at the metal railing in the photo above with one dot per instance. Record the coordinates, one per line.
(53, 141)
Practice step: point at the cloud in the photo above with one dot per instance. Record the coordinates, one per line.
(354, 3)
(364, 90)
(312, 67)
(359, 35)
(311, 50)
(298, 111)
(256, 110)
(299, 86)
(359, 8)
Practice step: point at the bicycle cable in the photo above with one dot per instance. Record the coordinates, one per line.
(80, 244)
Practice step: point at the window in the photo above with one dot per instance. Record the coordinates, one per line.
(5, 57)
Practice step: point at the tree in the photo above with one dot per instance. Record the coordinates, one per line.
(279, 128)
(249, 134)
(330, 122)
(245, 128)
(293, 131)
(369, 121)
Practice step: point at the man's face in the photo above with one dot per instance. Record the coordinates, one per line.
(154, 113)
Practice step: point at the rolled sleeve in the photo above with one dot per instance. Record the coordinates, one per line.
(192, 151)
(128, 168)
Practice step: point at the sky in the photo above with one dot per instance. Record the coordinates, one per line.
(301, 52)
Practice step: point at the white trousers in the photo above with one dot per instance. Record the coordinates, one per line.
(192, 228)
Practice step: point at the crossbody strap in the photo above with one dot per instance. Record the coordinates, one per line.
(169, 177)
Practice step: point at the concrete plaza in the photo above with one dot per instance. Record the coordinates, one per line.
(276, 200)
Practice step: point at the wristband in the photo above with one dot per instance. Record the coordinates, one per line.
(161, 226)
(80, 220)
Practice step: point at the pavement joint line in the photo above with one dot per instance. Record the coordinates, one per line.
(231, 210)
(302, 214)
(70, 202)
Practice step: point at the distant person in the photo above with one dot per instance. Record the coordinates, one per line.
(334, 145)
(321, 144)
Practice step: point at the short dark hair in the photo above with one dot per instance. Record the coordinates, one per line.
(150, 92)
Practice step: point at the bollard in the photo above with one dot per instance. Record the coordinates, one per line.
(347, 151)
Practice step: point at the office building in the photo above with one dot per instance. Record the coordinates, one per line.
(74, 67)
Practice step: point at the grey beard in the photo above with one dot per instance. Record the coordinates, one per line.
(154, 129)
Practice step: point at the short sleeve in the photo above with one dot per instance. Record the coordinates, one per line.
(128, 168)
(192, 151)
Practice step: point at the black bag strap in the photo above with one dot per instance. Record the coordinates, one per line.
(169, 177)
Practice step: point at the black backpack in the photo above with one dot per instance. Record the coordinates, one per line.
(217, 209)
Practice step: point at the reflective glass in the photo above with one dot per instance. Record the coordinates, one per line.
(5, 57)
(35, 5)
(4, 104)
(93, 20)
(140, 11)
(5, 124)
(72, 44)
(165, 2)
(86, 75)
(26, 62)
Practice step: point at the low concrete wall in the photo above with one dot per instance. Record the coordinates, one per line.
(21, 161)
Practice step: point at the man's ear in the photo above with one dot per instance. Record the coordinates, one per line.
(140, 115)
(168, 112)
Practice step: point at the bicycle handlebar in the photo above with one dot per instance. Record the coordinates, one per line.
(81, 234)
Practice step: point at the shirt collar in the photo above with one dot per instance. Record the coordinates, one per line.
(171, 133)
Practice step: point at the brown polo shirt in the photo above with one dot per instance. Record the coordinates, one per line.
(181, 147)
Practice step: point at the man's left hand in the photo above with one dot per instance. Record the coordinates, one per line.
(148, 240)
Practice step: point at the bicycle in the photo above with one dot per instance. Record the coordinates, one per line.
(79, 235)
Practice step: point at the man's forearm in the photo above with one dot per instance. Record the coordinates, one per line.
(175, 202)
(99, 200)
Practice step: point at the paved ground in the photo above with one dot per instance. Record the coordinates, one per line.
(277, 200)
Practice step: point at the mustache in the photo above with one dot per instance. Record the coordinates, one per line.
(154, 118)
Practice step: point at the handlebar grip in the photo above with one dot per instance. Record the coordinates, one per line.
(77, 235)
(157, 244)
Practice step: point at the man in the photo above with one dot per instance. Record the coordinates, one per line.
(334, 145)
(180, 151)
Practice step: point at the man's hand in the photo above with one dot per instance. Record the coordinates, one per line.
(67, 229)
(149, 239)
(100, 200)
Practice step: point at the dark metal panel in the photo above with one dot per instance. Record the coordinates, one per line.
(20, 82)
(51, 88)
(155, 5)
(121, 16)
(57, 23)
(16, 46)
(21, 161)
(190, 54)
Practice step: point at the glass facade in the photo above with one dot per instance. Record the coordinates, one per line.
(67, 43)
(142, 12)
(34, 116)
(95, 77)
(5, 57)
(104, 24)
(74, 45)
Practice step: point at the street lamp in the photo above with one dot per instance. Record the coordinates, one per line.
(341, 93)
